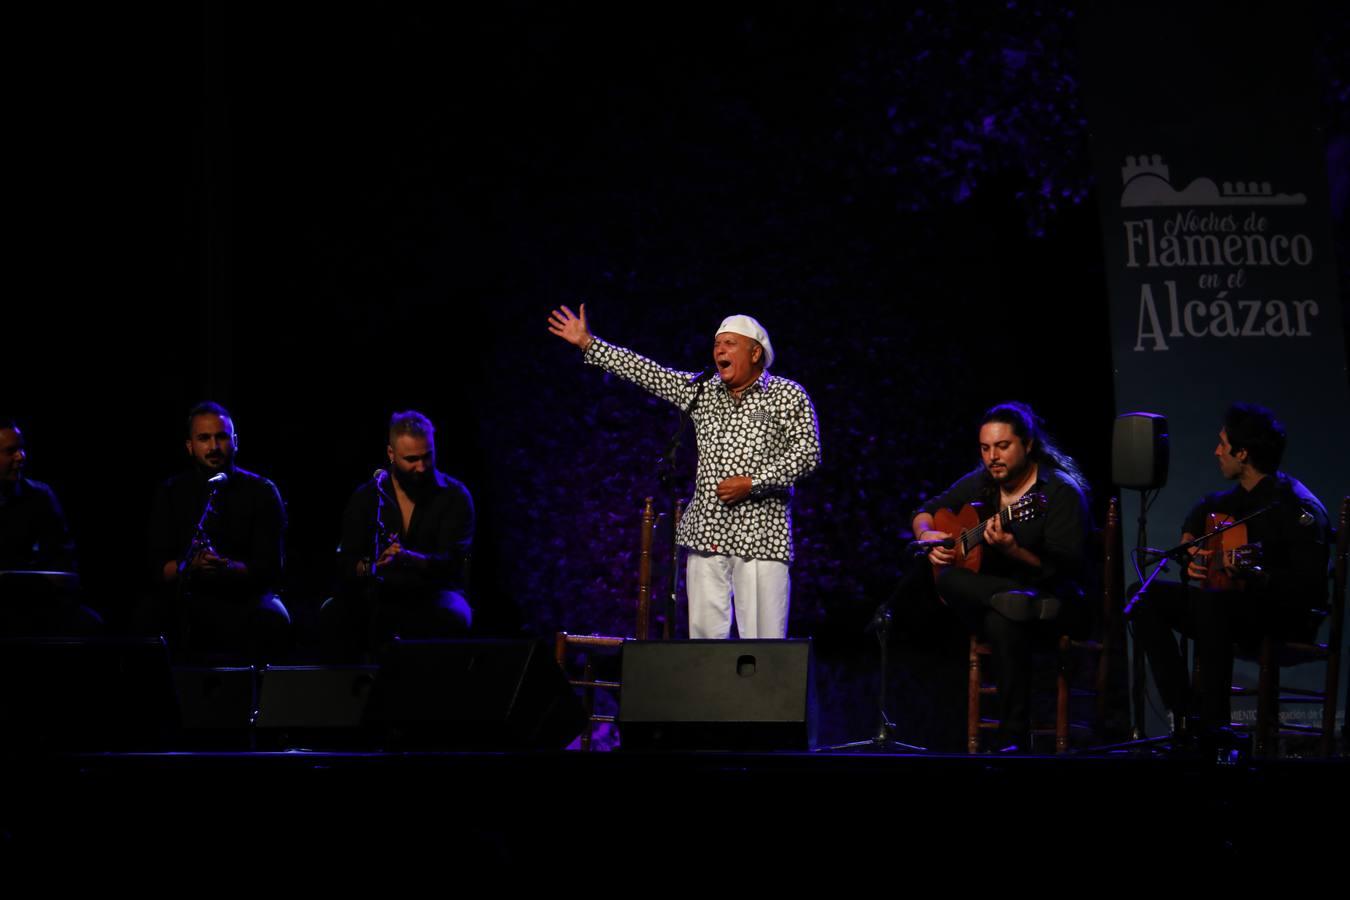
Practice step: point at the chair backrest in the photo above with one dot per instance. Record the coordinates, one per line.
(1338, 574)
(1338, 566)
(591, 644)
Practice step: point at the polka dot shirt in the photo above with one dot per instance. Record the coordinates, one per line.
(769, 434)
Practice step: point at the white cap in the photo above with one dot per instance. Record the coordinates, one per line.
(747, 326)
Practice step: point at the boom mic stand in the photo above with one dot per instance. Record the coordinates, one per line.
(201, 540)
(1179, 554)
(884, 740)
(669, 474)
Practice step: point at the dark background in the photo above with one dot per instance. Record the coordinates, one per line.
(318, 217)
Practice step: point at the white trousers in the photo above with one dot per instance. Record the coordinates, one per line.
(759, 588)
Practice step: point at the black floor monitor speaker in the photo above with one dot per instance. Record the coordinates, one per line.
(717, 695)
(218, 698)
(474, 695)
(314, 696)
(86, 694)
(315, 707)
(1139, 451)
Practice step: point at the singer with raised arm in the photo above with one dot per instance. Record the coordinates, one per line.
(1016, 565)
(216, 550)
(407, 534)
(1262, 577)
(757, 436)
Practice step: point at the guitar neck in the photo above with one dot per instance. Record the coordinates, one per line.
(971, 537)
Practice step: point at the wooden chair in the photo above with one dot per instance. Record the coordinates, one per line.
(587, 681)
(1276, 654)
(1112, 592)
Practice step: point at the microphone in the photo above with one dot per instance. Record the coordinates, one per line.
(215, 481)
(918, 548)
(703, 376)
(379, 477)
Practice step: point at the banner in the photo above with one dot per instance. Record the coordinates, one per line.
(1215, 216)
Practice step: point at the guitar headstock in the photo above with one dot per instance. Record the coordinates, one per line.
(1027, 507)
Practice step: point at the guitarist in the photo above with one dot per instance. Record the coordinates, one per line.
(1272, 590)
(1030, 571)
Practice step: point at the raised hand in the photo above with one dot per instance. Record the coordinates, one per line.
(570, 327)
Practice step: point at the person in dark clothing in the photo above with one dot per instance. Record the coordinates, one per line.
(39, 584)
(1274, 596)
(33, 532)
(404, 556)
(1033, 572)
(217, 551)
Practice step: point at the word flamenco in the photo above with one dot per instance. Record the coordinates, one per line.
(1218, 318)
(1211, 241)
(1176, 248)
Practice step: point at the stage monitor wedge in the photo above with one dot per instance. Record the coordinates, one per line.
(86, 694)
(718, 695)
(473, 695)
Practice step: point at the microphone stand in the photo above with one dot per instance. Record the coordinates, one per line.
(1179, 553)
(201, 539)
(1138, 688)
(668, 481)
(378, 536)
(373, 580)
(884, 740)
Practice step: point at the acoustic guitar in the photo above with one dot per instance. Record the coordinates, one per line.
(968, 526)
(1230, 554)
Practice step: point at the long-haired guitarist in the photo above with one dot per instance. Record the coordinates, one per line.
(1018, 556)
(1261, 577)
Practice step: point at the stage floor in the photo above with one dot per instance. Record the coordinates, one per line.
(625, 811)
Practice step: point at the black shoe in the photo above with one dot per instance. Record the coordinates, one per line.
(1024, 606)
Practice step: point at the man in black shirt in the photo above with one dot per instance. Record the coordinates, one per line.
(1031, 571)
(405, 549)
(33, 533)
(216, 548)
(1292, 529)
(34, 538)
